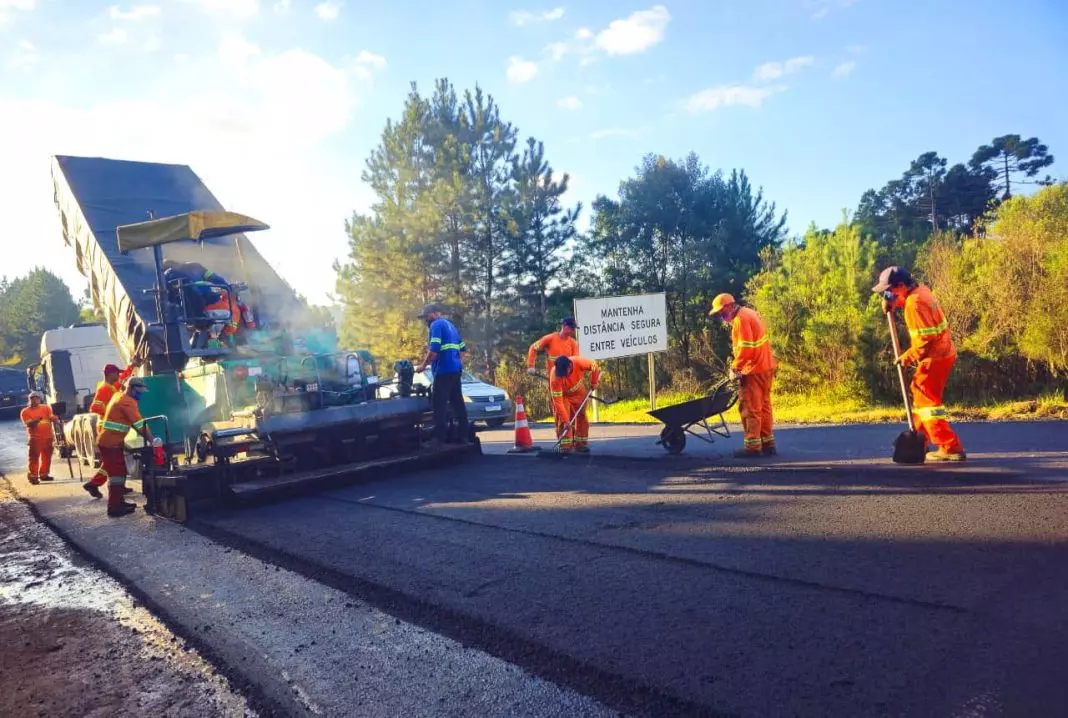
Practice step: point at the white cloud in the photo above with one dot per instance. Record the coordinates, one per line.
(117, 36)
(263, 149)
(774, 70)
(821, 8)
(240, 9)
(25, 58)
(8, 6)
(635, 33)
(521, 18)
(281, 7)
(152, 43)
(714, 98)
(844, 69)
(235, 50)
(856, 49)
(631, 35)
(328, 10)
(366, 63)
(520, 70)
(569, 103)
(136, 12)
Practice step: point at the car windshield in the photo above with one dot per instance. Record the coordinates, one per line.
(469, 378)
(12, 380)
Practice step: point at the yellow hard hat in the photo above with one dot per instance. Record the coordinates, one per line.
(718, 304)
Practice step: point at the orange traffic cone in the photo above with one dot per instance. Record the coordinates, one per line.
(524, 442)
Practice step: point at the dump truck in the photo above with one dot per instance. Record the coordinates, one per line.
(277, 407)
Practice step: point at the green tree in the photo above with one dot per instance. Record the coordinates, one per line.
(1013, 159)
(544, 227)
(816, 298)
(395, 263)
(489, 241)
(680, 229)
(29, 306)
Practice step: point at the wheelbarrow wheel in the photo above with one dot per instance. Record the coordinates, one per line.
(673, 439)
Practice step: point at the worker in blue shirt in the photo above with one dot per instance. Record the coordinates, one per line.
(443, 356)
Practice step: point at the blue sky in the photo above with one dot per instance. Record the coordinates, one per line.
(276, 104)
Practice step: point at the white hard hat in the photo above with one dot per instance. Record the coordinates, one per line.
(36, 395)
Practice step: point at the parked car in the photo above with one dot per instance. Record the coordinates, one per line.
(14, 392)
(485, 402)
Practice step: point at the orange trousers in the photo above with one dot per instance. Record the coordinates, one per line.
(754, 405)
(564, 408)
(39, 456)
(928, 385)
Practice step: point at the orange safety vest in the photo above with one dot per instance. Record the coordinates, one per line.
(572, 383)
(752, 348)
(121, 415)
(554, 346)
(928, 327)
(227, 302)
(42, 413)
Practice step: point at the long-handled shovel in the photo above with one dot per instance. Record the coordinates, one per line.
(910, 447)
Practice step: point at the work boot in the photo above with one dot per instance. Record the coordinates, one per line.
(747, 454)
(33, 480)
(127, 490)
(121, 510)
(582, 449)
(46, 477)
(942, 455)
(769, 450)
(92, 489)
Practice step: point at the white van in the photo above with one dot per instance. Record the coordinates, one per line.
(72, 363)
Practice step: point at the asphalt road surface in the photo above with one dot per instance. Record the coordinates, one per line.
(828, 582)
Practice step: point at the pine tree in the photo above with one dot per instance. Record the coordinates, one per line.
(488, 242)
(543, 229)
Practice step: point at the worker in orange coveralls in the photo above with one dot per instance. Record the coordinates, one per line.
(568, 392)
(754, 364)
(37, 417)
(931, 350)
(114, 379)
(227, 301)
(122, 414)
(555, 345)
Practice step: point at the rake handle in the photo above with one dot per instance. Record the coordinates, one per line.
(900, 369)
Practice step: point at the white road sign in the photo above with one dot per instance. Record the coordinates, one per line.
(610, 327)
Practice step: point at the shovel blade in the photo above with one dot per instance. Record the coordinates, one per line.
(910, 447)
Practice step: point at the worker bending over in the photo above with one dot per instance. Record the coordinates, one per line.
(568, 392)
(121, 415)
(37, 418)
(113, 383)
(754, 365)
(931, 350)
(555, 345)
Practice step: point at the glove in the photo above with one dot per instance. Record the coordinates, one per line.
(907, 359)
(888, 306)
(734, 375)
(532, 371)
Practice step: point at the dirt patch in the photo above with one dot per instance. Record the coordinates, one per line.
(76, 644)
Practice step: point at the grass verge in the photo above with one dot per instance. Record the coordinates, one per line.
(799, 409)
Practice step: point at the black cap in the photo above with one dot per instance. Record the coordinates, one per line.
(890, 277)
(569, 322)
(563, 366)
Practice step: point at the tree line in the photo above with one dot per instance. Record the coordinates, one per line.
(467, 214)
